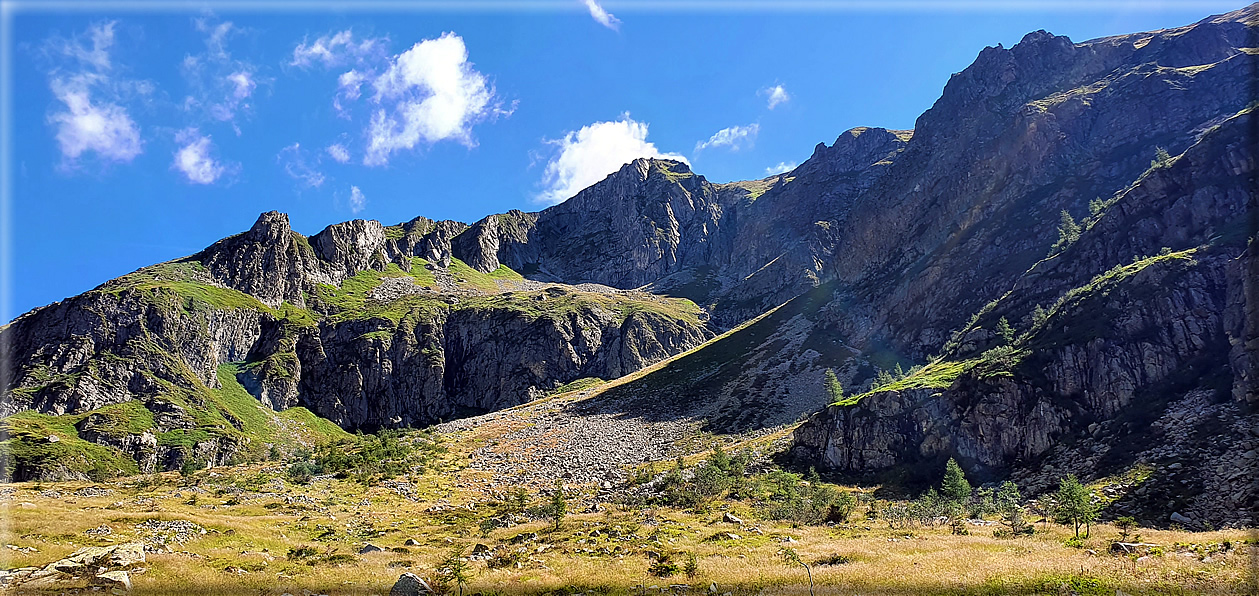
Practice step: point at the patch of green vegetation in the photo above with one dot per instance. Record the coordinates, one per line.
(773, 495)
(380, 335)
(185, 439)
(302, 244)
(123, 419)
(354, 290)
(1132, 477)
(368, 459)
(936, 375)
(421, 273)
(1102, 284)
(579, 385)
(297, 316)
(395, 232)
(240, 408)
(485, 282)
(28, 450)
(672, 170)
(181, 278)
(505, 272)
(313, 428)
(228, 413)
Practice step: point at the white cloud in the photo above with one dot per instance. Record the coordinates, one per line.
(783, 166)
(244, 84)
(731, 137)
(428, 94)
(335, 50)
(604, 17)
(193, 158)
(298, 167)
(588, 155)
(357, 200)
(338, 152)
(349, 86)
(92, 120)
(104, 128)
(219, 85)
(776, 94)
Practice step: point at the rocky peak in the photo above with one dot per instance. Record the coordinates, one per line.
(272, 227)
(351, 246)
(855, 150)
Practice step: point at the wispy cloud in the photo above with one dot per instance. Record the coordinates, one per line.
(220, 86)
(298, 165)
(428, 93)
(337, 49)
(604, 17)
(338, 152)
(193, 158)
(733, 137)
(349, 88)
(91, 118)
(783, 166)
(357, 200)
(777, 95)
(586, 156)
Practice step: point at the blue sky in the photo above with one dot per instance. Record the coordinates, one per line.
(142, 137)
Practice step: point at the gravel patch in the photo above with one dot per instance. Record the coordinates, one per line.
(537, 444)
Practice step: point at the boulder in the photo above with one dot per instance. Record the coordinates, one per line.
(118, 580)
(730, 518)
(410, 584)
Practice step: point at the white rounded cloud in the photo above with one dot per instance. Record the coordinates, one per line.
(588, 155)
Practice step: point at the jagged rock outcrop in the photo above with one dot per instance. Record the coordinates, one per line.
(507, 234)
(646, 220)
(269, 261)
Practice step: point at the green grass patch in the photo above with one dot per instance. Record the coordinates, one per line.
(467, 276)
(421, 273)
(936, 375)
(181, 278)
(313, 428)
(578, 385)
(673, 171)
(26, 448)
(353, 293)
(395, 232)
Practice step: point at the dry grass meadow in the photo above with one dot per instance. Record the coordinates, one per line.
(266, 536)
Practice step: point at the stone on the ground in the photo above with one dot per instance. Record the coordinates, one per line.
(113, 579)
(410, 584)
(369, 548)
(730, 518)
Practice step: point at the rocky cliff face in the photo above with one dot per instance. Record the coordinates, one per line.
(1132, 362)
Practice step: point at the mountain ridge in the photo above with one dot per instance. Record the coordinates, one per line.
(887, 250)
